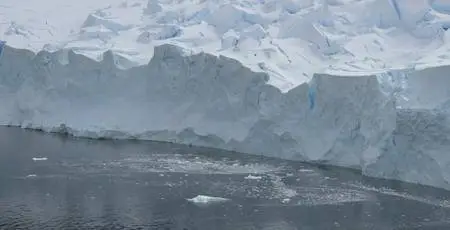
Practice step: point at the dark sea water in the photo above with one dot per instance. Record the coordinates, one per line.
(55, 182)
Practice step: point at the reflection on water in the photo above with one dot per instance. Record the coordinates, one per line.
(88, 184)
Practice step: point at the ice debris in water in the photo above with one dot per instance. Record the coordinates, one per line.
(40, 158)
(203, 200)
(251, 177)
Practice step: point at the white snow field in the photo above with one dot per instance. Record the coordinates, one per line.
(355, 83)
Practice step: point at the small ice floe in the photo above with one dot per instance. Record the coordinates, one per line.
(40, 158)
(251, 177)
(205, 200)
(306, 170)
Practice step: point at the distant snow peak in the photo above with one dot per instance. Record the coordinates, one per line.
(145, 37)
(16, 29)
(153, 6)
(99, 32)
(167, 32)
(99, 20)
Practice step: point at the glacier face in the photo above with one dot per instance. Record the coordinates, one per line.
(417, 149)
(198, 99)
(383, 124)
(390, 123)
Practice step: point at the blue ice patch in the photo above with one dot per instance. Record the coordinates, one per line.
(2, 45)
(397, 9)
(311, 97)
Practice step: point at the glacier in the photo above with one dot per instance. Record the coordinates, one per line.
(359, 84)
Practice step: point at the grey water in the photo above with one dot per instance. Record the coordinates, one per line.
(51, 181)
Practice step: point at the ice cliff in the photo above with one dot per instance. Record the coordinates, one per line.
(209, 100)
(361, 84)
(194, 98)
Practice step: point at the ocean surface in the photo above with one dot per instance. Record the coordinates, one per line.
(50, 181)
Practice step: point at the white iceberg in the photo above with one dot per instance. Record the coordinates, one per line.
(252, 177)
(204, 200)
(40, 158)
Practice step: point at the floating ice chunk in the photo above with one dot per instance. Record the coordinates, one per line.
(97, 19)
(40, 158)
(251, 177)
(204, 200)
(306, 170)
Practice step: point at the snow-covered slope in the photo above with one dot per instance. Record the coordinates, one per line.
(289, 39)
(345, 82)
